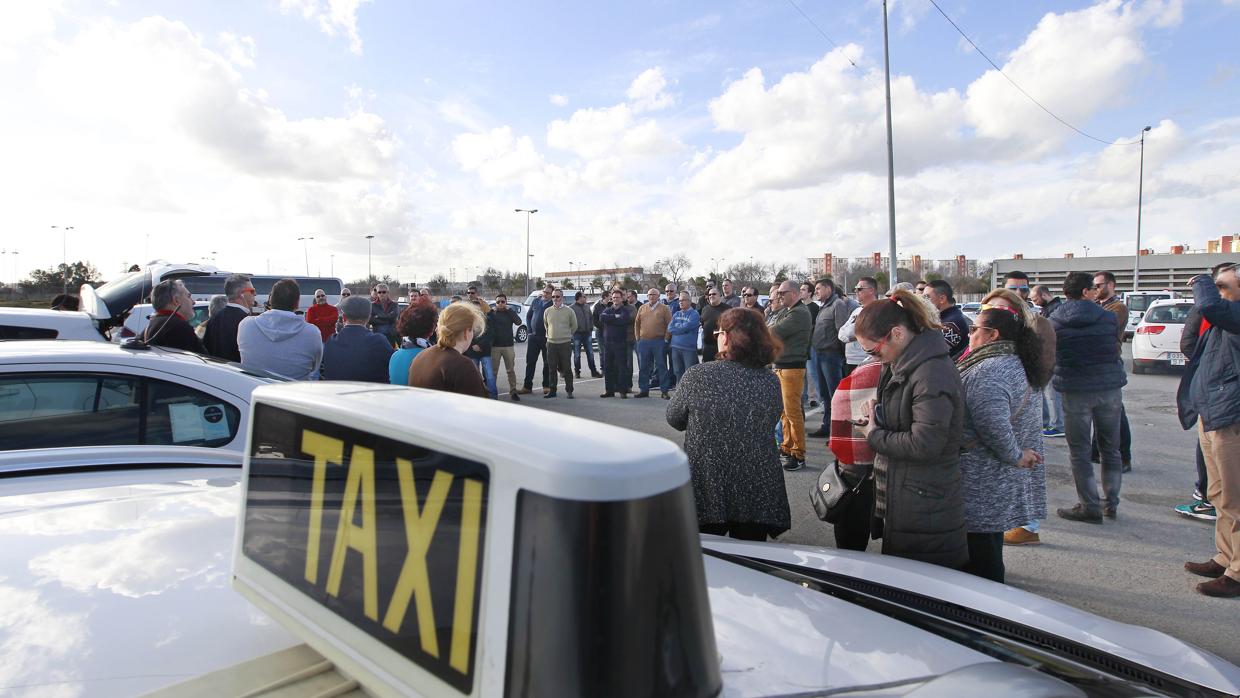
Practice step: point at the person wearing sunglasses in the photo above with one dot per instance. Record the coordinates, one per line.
(383, 314)
(323, 315)
(914, 426)
(866, 292)
(734, 467)
(561, 325)
(220, 337)
(792, 325)
(712, 310)
(1018, 282)
(749, 300)
(1209, 398)
(1001, 463)
(1089, 374)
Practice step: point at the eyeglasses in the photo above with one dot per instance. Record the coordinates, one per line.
(712, 293)
(719, 332)
(859, 289)
(248, 290)
(381, 292)
(345, 294)
(1017, 288)
(976, 328)
(557, 296)
(877, 347)
(320, 297)
(747, 295)
(472, 293)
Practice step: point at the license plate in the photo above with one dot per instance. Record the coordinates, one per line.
(1176, 358)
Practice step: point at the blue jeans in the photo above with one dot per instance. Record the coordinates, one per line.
(811, 377)
(1101, 410)
(682, 359)
(651, 357)
(830, 373)
(613, 366)
(581, 342)
(1052, 408)
(488, 374)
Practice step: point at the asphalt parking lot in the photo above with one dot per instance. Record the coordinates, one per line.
(1130, 570)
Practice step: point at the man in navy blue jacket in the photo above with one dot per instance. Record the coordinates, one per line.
(355, 353)
(1209, 396)
(536, 342)
(1089, 372)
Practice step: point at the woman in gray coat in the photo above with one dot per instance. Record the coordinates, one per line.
(914, 428)
(1002, 457)
(728, 409)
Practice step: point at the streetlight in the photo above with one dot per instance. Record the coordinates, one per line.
(370, 275)
(1086, 251)
(64, 253)
(332, 268)
(891, 166)
(1136, 261)
(528, 212)
(305, 242)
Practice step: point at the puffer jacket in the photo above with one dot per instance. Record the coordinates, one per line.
(1086, 355)
(923, 419)
(1210, 388)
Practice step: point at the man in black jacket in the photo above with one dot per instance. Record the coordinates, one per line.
(1052, 400)
(220, 338)
(1090, 374)
(955, 324)
(1209, 396)
(169, 326)
(711, 311)
(504, 319)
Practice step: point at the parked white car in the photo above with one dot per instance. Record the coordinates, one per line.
(1138, 302)
(1156, 339)
(40, 323)
(105, 404)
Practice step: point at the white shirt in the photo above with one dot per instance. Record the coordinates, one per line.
(853, 353)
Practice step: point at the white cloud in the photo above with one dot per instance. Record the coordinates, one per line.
(648, 92)
(559, 100)
(334, 17)
(239, 50)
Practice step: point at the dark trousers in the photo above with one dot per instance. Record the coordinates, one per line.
(669, 370)
(740, 531)
(626, 373)
(848, 369)
(1203, 479)
(1125, 440)
(709, 349)
(830, 373)
(535, 347)
(986, 556)
(613, 364)
(560, 362)
(581, 343)
(853, 531)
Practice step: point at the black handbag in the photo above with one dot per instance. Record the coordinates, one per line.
(832, 494)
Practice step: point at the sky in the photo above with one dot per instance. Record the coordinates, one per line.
(223, 132)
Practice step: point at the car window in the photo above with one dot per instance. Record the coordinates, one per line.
(1169, 314)
(1140, 303)
(17, 332)
(52, 411)
(177, 415)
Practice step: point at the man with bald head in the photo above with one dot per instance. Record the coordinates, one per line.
(650, 328)
(791, 323)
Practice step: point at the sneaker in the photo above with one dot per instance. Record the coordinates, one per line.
(546, 390)
(818, 433)
(1198, 510)
(608, 395)
(1053, 433)
(1021, 536)
(578, 373)
(1110, 513)
(666, 396)
(514, 396)
(548, 394)
(1078, 513)
(644, 393)
(524, 391)
(1125, 466)
(595, 374)
(570, 395)
(791, 463)
(813, 404)
(624, 396)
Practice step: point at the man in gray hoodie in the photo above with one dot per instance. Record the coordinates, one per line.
(280, 341)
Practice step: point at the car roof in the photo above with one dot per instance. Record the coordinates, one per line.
(175, 361)
(1171, 301)
(46, 317)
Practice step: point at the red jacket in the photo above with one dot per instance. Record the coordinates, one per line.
(323, 316)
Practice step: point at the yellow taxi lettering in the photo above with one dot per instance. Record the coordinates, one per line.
(466, 574)
(414, 580)
(360, 484)
(325, 450)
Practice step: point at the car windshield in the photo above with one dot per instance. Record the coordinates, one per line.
(1140, 304)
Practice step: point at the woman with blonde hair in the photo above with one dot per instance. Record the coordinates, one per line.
(914, 427)
(443, 367)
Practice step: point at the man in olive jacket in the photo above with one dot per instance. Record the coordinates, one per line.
(792, 324)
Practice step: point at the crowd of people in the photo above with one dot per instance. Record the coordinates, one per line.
(936, 421)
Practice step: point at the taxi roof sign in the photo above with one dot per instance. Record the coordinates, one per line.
(436, 544)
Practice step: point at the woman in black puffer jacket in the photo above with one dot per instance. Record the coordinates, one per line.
(915, 429)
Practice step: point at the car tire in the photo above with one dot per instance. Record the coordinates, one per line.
(522, 334)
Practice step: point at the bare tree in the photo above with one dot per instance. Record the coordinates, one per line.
(672, 267)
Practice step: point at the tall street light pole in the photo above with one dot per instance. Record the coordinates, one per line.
(64, 254)
(528, 212)
(1136, 261)
(305, 242)
(891, 167)
(370, 275)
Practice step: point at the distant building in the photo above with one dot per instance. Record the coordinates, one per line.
(840, 266)
(1159, 272)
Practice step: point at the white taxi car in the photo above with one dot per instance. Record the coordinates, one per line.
(1156, 339)
(42, 323)
(98, 403)
(414, 558)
